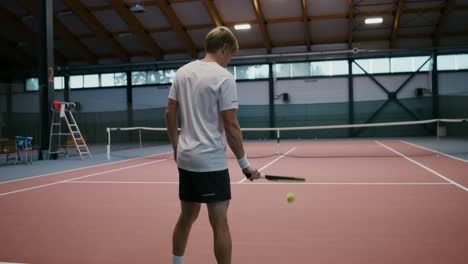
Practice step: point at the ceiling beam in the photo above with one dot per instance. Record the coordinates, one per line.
(26, 34)
(213, 12)
(396, 23)
(350, 23)
(64, 34)
(178, 27)
(305, 19)
(89, 19)
(132, 21)
(262, 24)
(444, 12)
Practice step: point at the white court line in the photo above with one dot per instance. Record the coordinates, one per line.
(82, 168)
(435, 151)
(77, 178)
(273, 161)
(285, 183)
(424, 167)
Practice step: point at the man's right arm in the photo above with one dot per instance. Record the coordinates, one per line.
(234, 139)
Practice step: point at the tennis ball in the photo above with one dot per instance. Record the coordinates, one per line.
(290, 197)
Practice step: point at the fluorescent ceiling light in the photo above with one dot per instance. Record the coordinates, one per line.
(242, 26)
(374, 20)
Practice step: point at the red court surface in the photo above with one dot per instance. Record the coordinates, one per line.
(390, 209)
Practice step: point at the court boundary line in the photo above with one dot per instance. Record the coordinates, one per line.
(271, 162)
(83, 168)
(81, 177)
(424, 167)
(271, 183)
(433, 150)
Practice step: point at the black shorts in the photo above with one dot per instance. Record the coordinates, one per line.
(204, 187)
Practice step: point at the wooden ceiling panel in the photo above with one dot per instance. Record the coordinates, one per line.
(13, 7)
(198, 37)
(326, 29)
(94, 3)
(185, 11)
(131, 42)
(424, 4)
(237, 11)
(252, 36)
(281, 8)
(168, 40)
(453, 22)
(324, 7)
(286, 31)
(73, 24)
(414, 20)
(97, 46)
(66, 50)
(153, 18)
(111, 20)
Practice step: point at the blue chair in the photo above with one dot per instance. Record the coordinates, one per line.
(24, 144)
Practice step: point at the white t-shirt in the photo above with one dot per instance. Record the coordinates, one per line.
(203, 90)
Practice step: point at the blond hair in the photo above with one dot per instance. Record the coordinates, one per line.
(218, 37)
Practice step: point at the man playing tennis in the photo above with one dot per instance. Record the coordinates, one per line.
(205, 94)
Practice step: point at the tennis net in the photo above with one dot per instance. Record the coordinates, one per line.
(449, 136)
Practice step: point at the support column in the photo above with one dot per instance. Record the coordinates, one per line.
(9, 111)
(350, 96)
(45, 68)
(130, 121)
(271, 98)
(435, 88)
(66, 88)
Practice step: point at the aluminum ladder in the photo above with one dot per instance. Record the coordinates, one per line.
(62, 111)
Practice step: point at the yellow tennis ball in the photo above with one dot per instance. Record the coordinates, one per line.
(290, 197)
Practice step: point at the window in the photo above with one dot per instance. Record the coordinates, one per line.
(91, 80)
(156, 77)
(76, 81)
(32, 84)
(59, 83)
(381, 65)
(170, 75)
(251, 72)
(339, 67)
(300, 69)
(452, 62)
(113, 79)
(282, 70)
(409, 64)
(138, 77)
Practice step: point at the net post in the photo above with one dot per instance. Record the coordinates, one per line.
(108, 143)
(438, 137)
(277, 141)
(139, 137)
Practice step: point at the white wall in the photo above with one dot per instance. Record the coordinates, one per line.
(252, 93)
(150, 97)
(453, 83)
(25, 103)
(100, 100)
(318, 90)
(366, 90)
(3, 103)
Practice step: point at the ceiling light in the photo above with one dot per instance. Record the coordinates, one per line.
(374, 20)
(137, 8)
(242, 26)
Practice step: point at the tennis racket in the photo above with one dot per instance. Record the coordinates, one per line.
(282, 178)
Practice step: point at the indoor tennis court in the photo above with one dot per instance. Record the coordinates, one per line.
(365, 101)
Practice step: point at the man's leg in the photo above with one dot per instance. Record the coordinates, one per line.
(222, 237)
(188, 215)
